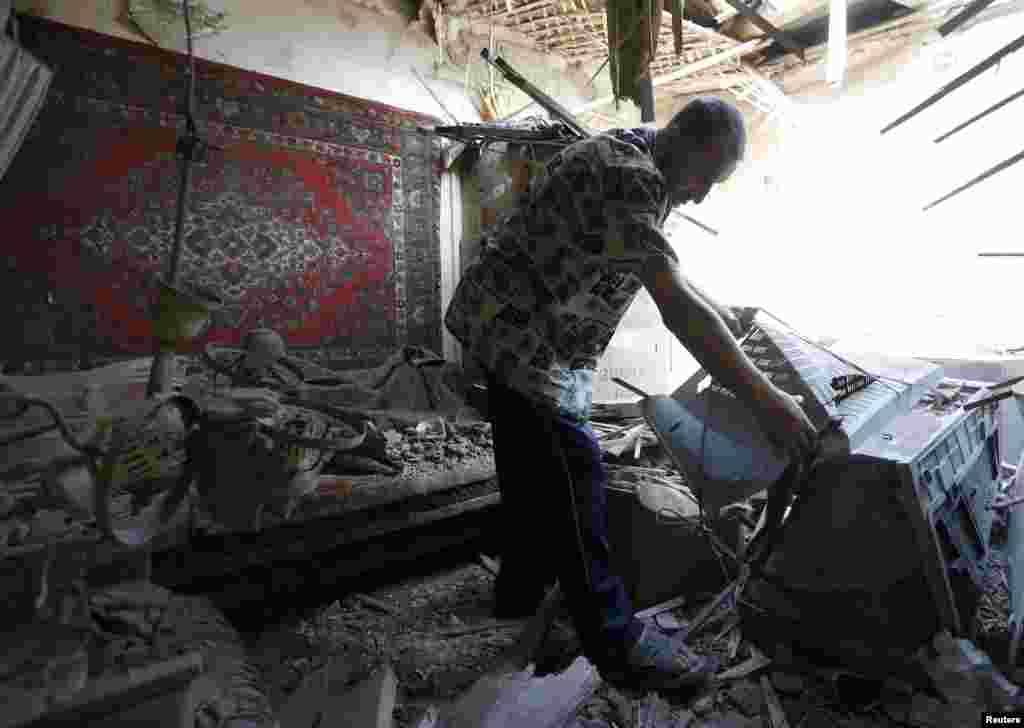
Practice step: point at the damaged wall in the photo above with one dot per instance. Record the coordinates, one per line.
(366, 49)
(363, 48)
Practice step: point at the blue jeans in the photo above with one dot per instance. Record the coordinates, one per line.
(542, 461)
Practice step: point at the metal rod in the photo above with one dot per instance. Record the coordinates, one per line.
(959, 81)
(552, 106)
(698, 223)
(981, 115)
(430, 91)
(1001, 255)
(962, 17)
(630, 387)
(984, 175)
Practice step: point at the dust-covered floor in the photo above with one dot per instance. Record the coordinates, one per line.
(437, 632)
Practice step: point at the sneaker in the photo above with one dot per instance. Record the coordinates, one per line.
(660, 662)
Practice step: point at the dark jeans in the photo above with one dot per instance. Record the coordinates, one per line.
(541, 460)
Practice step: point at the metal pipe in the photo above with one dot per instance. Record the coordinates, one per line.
(982, 115)
(698, 223)
(630, 387)
(958, 82)
(552, 106)
(983, 176)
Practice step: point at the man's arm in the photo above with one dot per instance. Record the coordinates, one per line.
(730, 319)
(702, 331)
(699, 327)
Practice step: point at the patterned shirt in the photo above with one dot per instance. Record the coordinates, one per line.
(553, 280)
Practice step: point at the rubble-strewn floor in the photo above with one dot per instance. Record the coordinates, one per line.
(425, 626)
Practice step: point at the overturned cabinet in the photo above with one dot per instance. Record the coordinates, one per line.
(888, 544)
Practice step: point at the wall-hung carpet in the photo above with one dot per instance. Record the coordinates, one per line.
(319, 217)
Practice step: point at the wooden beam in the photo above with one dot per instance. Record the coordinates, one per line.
(780, 36)
(751, 46)
(910, 23)
(959, 81)
(677, 25)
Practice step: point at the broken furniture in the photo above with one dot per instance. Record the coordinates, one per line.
(887, 545)
(886, 540)
(719, 445)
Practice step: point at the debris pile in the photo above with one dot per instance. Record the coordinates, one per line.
(452, 664)
(439, 441)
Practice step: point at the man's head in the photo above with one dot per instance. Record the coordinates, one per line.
(700, 147)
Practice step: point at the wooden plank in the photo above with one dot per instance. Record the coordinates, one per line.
(519, 699)
(322, 700)
(757, 662)
(783, 38)
(677, 25)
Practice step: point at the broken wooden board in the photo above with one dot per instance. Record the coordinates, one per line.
(520, 699)
(757, 662)
(323, 700)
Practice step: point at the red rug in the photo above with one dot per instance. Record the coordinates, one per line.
(319, 218)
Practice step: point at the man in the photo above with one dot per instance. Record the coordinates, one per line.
(538, 309)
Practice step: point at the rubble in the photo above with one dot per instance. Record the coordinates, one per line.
(747, 696)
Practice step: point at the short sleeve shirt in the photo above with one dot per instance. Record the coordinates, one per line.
(554, 278)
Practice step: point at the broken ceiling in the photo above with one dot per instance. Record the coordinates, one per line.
(722, 45)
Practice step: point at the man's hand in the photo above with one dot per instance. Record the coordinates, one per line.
(787, 425)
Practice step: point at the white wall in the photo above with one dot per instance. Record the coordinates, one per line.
(334, 45)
